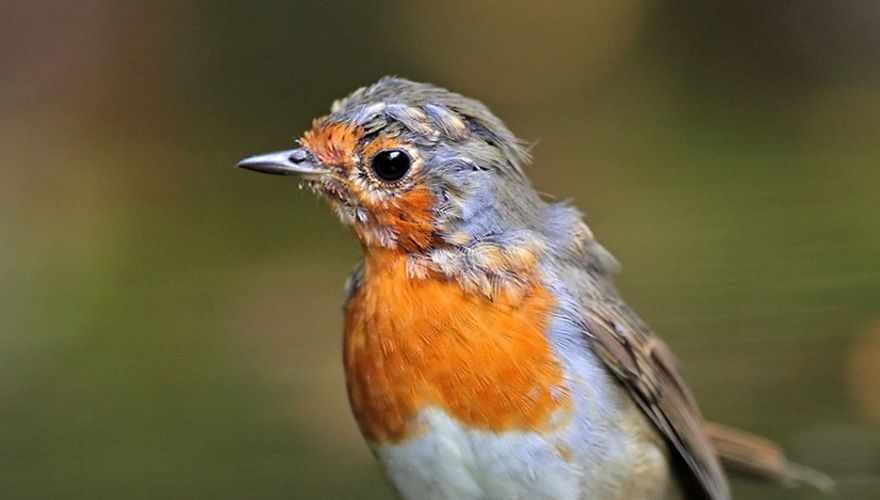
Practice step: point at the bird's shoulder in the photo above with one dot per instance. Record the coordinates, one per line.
(647, 368)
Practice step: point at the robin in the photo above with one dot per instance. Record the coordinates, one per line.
(487, 352)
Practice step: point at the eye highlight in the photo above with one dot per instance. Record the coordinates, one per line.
(391, 165)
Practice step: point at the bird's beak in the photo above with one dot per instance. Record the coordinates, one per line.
(295, 162)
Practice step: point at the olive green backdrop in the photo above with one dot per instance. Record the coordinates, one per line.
(170, 326)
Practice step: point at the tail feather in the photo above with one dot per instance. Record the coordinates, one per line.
(756, 456)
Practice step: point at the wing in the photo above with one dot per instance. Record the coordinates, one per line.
(648, 369)
(353, 282)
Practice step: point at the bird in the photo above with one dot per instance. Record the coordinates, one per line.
(487, 352)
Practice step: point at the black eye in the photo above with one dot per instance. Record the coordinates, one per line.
(391, 165)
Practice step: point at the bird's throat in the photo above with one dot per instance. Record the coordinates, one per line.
(415, 343)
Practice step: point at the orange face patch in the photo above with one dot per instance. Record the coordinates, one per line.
(340, 143)
(334, 143)
(407, 214)
(410, 344)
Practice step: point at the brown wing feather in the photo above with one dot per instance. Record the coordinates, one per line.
(647, 367)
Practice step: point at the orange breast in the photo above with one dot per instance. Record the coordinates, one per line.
(412, 343)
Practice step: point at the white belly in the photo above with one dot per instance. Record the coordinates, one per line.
(448, 461)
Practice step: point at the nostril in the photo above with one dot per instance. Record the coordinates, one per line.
(298, 156)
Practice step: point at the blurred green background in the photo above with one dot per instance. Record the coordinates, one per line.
(170, 326)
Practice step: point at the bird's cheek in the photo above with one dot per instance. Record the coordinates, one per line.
(410, 218)
(335, 190)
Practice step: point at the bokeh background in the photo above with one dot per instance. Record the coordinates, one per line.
(170, 326)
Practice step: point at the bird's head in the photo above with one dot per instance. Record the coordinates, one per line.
(425, 172)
